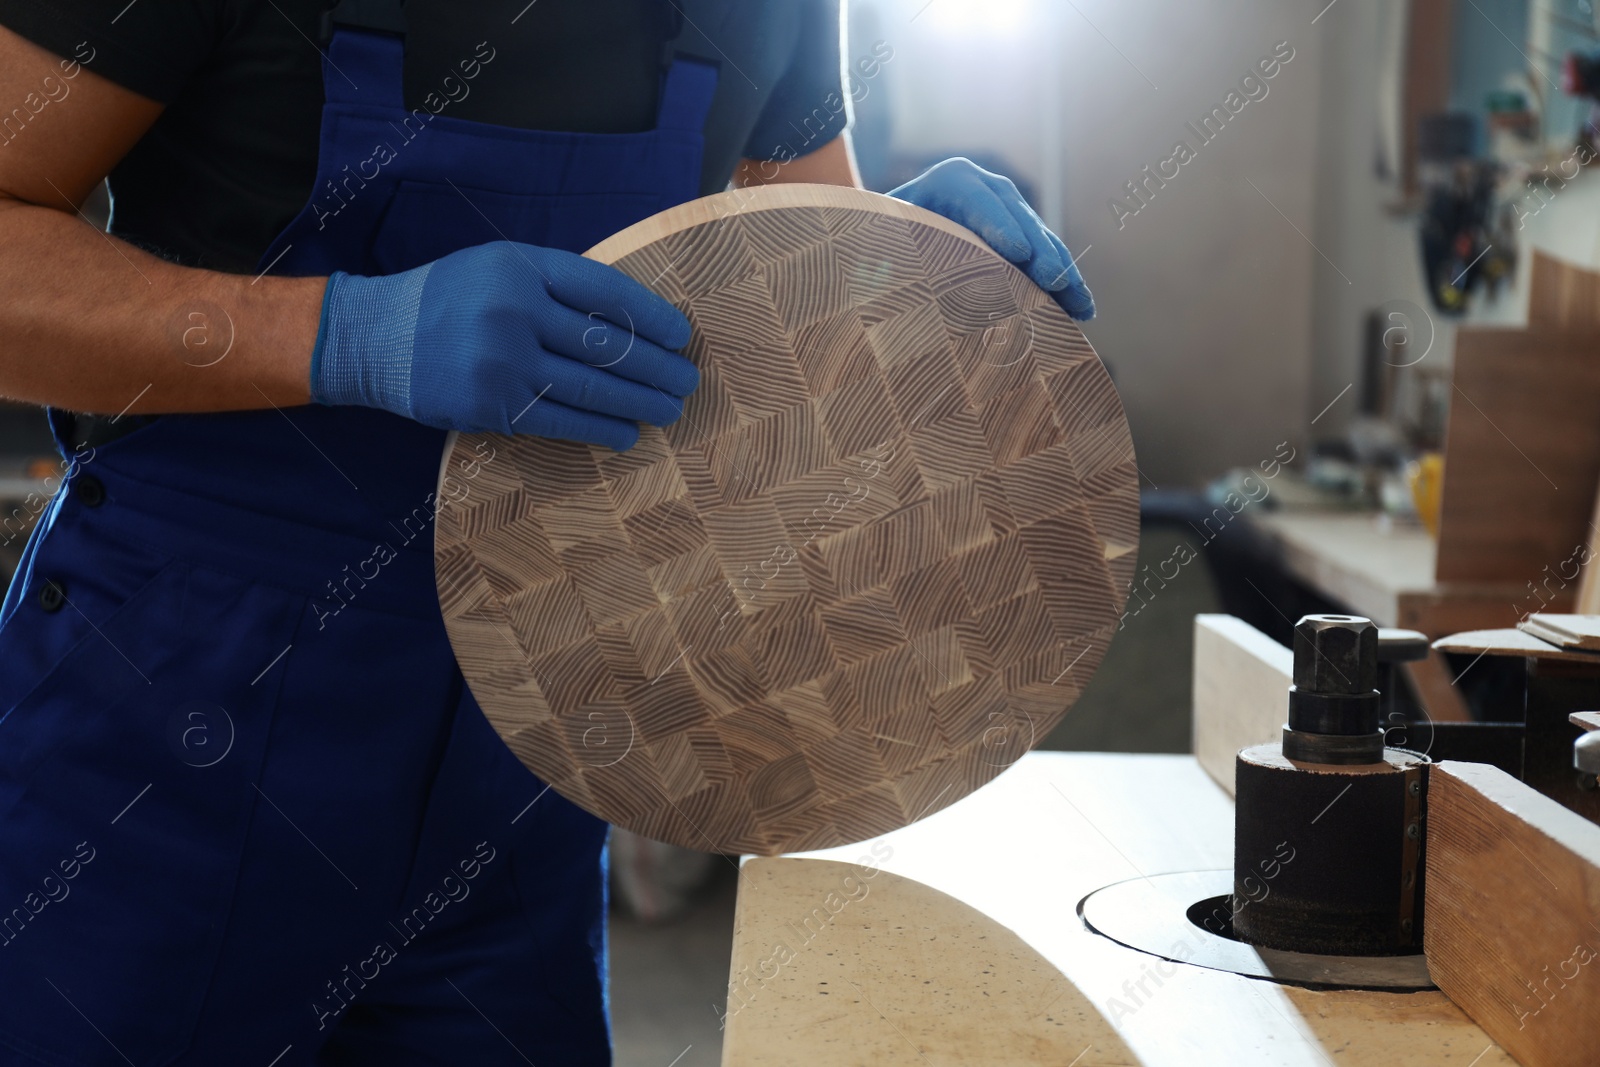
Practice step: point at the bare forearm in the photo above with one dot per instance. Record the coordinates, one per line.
(90, 323)
(832, 164)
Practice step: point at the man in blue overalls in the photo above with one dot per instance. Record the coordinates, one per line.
(249, 812)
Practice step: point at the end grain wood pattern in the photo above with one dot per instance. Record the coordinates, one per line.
(875, 561)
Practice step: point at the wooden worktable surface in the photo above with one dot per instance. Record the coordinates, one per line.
(956, 941)
(1352, 558)
(1386, 572)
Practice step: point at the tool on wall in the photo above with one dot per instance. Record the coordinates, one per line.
(1467, 239)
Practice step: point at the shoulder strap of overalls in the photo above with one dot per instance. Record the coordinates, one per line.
(689, 82)
(686, 96)
(386, 15)
(364, 64)
(365, 59)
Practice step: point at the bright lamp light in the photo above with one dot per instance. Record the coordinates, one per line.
(979, 16)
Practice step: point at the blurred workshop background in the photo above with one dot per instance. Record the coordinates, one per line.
(1289, 213)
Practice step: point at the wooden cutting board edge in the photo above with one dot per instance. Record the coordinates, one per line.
(766, 198)
(736, 202)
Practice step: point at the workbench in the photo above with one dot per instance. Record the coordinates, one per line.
(1386, 572)
(957, 941)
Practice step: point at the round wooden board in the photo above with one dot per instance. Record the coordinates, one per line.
(875, 562)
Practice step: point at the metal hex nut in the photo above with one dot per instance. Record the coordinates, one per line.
(1335, 654)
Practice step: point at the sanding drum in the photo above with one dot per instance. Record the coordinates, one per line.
(1329, 822)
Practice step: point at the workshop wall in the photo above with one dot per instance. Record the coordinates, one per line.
(1205, 289)
(1356, 220)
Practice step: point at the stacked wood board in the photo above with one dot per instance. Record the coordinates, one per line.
(1522, 457)
(1568, 631)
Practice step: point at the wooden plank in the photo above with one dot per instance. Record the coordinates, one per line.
(1568, 631)
(1455, 606)
(1522, 454)
(1241, 691)
(1513, 905)
(1562, 295)
(962, 948)
(1510, 643)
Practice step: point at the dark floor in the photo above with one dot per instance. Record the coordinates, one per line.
(1138, 701)
(669, 981)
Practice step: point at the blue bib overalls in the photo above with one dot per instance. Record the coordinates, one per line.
(248, 807)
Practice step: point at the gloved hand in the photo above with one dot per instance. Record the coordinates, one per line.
(990, 206)
(509, 338)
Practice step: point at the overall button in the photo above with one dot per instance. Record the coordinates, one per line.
(52, 595)
(89, 490)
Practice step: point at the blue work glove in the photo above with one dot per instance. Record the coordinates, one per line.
(990, 206)
(507, 338)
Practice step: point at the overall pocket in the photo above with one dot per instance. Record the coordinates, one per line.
(126, 786)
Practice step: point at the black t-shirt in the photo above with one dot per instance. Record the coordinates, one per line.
(232, 158)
